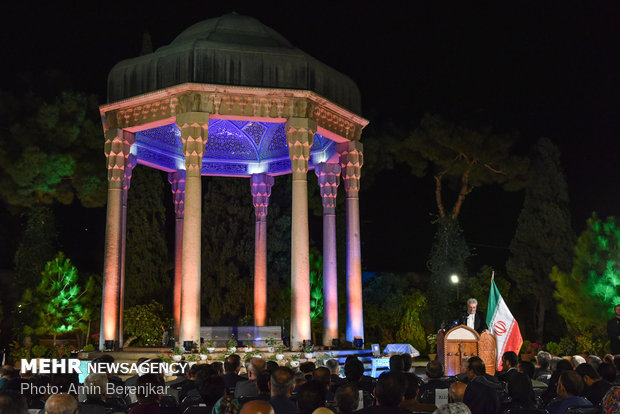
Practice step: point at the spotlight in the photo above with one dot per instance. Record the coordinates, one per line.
(188, 345)
(358, 342)
(335, 343)
(108, 345)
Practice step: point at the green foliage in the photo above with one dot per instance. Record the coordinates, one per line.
(544, 237)
(392, 310)
(588, 293)
(448, 256)
(145, 322)
(37, 245)
(566, 346)
(88, 348)
(52, 151)
(227, 251)
(479, 285)
(461, 156)
(39, 351)
(60, 302)
(148, 262)
(316, 286)
(553, 348)
(588, 345)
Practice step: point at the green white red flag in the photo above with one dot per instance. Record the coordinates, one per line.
(502, 324)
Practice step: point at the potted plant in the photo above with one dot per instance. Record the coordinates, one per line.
(177, 353)
(231, 346)
(248, 348)
(271, 344)
(280, 352)
(210, 345)
(308, 349)
(431, 339)
(294, 363)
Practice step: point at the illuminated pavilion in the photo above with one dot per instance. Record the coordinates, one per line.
(231, 97)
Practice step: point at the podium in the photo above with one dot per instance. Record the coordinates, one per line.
(461, 343)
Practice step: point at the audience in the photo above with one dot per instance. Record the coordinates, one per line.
(570, 386)
(557, 367)
(389, 393)
(310, 396)
(14, 403)
(434, 373)
(232, 366)
(248, 388)
(543, 373)
(595, 387)
(61, 404)
(347, 398)
(334, 368)
(481, 394)
(281, 386)
(520, 392)
(509, 366)
(607, 371)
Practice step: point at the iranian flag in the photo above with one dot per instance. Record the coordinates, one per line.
(502, 324)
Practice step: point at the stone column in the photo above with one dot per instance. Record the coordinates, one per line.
(194, 134)
(117, 146)
(351, 161)
(177, 183)
(261, 190)
(130, 163)
(299, 136)
(329, 178)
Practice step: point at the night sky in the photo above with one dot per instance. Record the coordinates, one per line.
(536, 68)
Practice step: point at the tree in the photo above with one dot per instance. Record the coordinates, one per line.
(60, 300)
(38, 245)
(51, 151)
(227, 251)
(145, 324)
(464, 159)
(461, 156)
(392, 310)
(449, 255)
(148, 261)
(544, 237)
(588, 293)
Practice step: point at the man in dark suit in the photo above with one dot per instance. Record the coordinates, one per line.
(473, 318)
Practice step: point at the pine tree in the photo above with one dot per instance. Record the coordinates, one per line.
(148, 260)
(544, 237)
(60, 300)
(587, 293)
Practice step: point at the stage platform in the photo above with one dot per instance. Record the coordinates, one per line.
(374, 366)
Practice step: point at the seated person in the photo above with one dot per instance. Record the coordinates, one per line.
(434, 373)
(543, 373)
(527, 368)
(509, 366)
(347, 398)
(389, 393)
(410, 402)
(595, 387)
(481, 395)
(520, 392)
(310, 396)
(557, 367)
(96, 398)
(570, 385)
(354, 372)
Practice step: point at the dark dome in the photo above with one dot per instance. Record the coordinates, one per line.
(231, 50)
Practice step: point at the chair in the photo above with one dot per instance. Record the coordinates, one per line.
(527, 411)
(594, 409)
(199, 409)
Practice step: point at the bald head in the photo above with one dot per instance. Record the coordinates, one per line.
(257, 407)
(61, 404)
(457, 391)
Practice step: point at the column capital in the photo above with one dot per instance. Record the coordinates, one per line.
(351, 161)
(299, 136)
(117, 149)
(260, 185)
(194, 128)
(177, 184)
(328, 174)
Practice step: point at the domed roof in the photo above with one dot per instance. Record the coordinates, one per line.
(231, 50)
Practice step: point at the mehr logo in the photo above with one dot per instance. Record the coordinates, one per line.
(73, 366)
